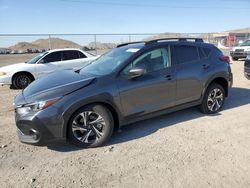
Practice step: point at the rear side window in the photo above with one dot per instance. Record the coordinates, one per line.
(52, 57)
(207, 51)
(204, 52)
(81, 55)
(69, 55)
(186, 53)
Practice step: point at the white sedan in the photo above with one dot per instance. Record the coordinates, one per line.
(22, 74)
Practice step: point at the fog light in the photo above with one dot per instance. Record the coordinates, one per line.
(34, 134)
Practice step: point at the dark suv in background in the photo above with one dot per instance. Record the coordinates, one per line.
(132, 82)
(247, 66)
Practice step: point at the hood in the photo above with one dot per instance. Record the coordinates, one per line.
(11, 67)
(241, 47)
(55, 85)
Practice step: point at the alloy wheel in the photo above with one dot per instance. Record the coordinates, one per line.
(215, 100)
(22, 81)
(88, 127)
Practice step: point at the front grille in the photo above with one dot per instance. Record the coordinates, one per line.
(239, 50)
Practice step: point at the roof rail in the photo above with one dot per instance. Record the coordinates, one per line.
(124, 44)
(178, 39)
(162, 39)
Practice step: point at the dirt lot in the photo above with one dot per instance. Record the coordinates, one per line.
(182, 149)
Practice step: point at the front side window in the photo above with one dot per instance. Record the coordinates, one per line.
(186, 54)
(246, 43)
(52, 57)
(151, 61)
(70, 55)
(36, 58)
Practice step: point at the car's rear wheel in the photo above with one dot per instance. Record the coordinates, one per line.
(235, 58)
(91, 126)
(22, 80)
(247, 76)
(213, 99)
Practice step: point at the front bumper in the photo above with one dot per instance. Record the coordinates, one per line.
(230, 81)
(5, 80)
(234, 54)
(247, 69)
(42, 128)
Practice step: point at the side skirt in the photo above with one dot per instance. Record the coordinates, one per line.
(131, 119)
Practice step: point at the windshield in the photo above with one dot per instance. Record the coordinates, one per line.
(109, 61)
(246, 43)
(36, 58)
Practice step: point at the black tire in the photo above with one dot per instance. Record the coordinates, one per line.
(207, 105)
(78, 136)
(235, 58)
(247, 76)
(21, 80)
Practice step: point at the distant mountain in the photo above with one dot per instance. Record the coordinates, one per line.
(165, 35)
(243, 30)
(24, 46)
(101, 46)
(55, 43)
(45, 44)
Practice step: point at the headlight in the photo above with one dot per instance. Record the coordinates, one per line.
(2, 73)
(35, 107)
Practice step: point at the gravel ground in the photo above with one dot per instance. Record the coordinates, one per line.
(182, 149)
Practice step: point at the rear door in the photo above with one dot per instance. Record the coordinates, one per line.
(73, 60)
(190, 69)
(153, 91)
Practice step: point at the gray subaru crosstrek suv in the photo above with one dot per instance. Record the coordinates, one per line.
(132, 82)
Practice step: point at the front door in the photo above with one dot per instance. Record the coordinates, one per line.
(152, 91)
(48, 64)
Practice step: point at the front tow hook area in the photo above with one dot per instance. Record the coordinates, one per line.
(32, 138)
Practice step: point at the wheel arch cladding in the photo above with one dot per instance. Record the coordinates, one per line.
(221, 81)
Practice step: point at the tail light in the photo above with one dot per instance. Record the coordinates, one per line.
(225, 59)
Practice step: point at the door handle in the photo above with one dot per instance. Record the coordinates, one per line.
(205, 66)
(169, 77)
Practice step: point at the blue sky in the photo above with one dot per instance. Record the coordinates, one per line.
(122, 16)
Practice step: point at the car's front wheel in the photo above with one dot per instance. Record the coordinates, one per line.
(213, 99)
(91, 126)
(235, 58)
(21, 80)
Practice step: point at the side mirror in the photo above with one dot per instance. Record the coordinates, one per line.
(136, 72)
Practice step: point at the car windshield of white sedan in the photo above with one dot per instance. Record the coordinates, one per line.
(36, 58)
(246, 43)
(108, 62)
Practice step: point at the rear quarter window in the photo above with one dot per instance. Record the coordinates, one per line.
(81, 55)
(204, 52)
(217, 51)
(207, 51)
